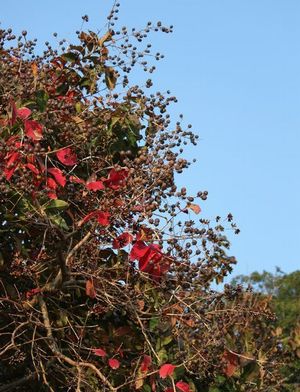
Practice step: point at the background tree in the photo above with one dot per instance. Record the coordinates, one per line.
(284, 290)
(106, 270)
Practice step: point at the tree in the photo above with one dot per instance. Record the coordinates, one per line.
(284, 290)
(104, 284)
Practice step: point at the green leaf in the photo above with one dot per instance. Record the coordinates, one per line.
(163, 355)
(78, 107)
(59, 221)
(62, 320)
(131, 137)
(59, 204)
(166, 340)
(71, 57)
(62, 89)
(114, 121)
(153, 323)
(85, 82)
(179, 372)
(42, 99)
(251, 372)
(220, 379)
(146, 388)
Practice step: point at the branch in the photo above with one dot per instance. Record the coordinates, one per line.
(77, 246)
(63, 357)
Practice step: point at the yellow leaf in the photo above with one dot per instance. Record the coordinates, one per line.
(34, 69)
(106, 37)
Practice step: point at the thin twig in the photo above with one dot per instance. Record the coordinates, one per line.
(77, 246)
(63, 357)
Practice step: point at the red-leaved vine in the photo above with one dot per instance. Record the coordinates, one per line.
(107, 267)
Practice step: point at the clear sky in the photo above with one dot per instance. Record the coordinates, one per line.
(234, 66)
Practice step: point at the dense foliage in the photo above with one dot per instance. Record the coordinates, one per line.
(106, 268)
(284, 290)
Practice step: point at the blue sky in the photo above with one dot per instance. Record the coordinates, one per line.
(234, 66)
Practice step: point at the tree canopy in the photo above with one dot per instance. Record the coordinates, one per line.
(106, 266)
(284, 290)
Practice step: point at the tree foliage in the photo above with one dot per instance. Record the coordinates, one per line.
(284, 290)
(106, 268)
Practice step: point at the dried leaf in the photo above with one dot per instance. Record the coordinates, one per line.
(90, 289)
(34, 69)
(106, 37)
(231, 361)
(194, 207)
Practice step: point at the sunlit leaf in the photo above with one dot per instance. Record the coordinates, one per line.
(166, 370)
(110, 78)
(58, 204)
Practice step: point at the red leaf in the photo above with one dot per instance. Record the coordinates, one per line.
(67, 156)
(23, 113)
(103, 218)
(153, 382)
(11, 164)
(99, 352)
(114, 363)
(88, 217)
(166, 370)
(119, 203)
(153, 254)
(150, 258)
(156, 270)
(231, 363)
(51, 183)
(12, 158)
(116, 179)
(32, 292)
(52, 195)
(122, 241)
(146, 363)
(33, 129)
(183, 386)
(138, 250)
(58, 175)
(137, 208)
(69, 97)
(33, 168)
(53, 186)
(90, 289)
(95, 186)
